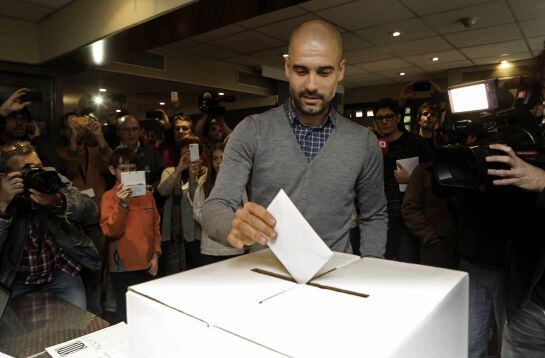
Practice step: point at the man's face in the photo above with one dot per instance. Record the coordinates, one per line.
(386, 121)
(313, 70)
(17, 162)
(428, 119)
(129, 132)
(216, 132)
(124, 167)
(16, 127)
(182, 129)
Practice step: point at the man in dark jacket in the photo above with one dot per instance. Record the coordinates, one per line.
(42, 244)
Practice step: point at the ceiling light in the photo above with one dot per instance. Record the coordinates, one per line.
(503, 62)
(285, 55)
(102, 89)
(98, 100)
(97, 52)
(435, 59)
(359, 114)
(221, 94)
(118, 111)
(395, 33)
(161, 103)
(402, 73)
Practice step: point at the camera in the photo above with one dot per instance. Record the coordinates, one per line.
(209, 103)
(44, 181)
(480, 115)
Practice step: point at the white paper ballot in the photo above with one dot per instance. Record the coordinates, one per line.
(112, 342)
(297, 245)
(409, 164)
(135, 180)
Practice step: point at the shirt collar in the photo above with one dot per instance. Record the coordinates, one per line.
(291, 113)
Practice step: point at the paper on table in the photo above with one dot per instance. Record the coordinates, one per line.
(136, 180)
(409, 164)
(112, 342)
(297, 245)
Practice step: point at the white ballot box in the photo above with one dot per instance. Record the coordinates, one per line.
(248, 307)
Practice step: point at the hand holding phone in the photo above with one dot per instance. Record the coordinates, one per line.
(194, 152)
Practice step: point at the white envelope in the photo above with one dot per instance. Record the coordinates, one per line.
(409, 164)
(135, 180)
(297, 245)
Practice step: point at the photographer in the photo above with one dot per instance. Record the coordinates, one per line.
(42, 244)
(524, 333)
(212, 130)
(20, 127)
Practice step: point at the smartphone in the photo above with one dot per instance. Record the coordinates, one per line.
(421, 86)
(173, 96)
(194, 152)
(83, 121)
(31, 96)
(154, 114)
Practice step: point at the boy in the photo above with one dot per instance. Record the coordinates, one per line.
(132, 225)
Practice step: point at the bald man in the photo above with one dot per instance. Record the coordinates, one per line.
(322, 160)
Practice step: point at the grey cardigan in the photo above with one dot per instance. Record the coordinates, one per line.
(348, 166)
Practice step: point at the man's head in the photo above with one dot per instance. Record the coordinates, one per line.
(15, 156)
(386, 114)
(69, 121)
(122, 160)
(17, 124)
(314, 66)
(427, 119)
(128, 130)
(183, 127)
(215, 132)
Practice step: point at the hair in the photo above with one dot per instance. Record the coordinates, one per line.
(389, 103)
(192, 139)
(125, 118)
(23, 112)
(432, 106)
(182, 117)
(212, 174)
(124, 155)
(6, 153)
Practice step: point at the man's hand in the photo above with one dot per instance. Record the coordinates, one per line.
(123, 193)
(12, 104)
(47, 200)
(252, 223)
(33, 130)
(153, 265)
(401, 175)
(521, 174)
(10, 185)
(95, 128)
(184, 162)
(407, 91)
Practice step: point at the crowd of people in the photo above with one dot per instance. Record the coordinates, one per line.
(346, 179)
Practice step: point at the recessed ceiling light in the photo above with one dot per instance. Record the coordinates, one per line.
(503, 62)
(98, 100)
(102, 89)
(118, 111)
(396, 33)
(402, 73)
(161, 103)
(221, 94)
(285, 55)
(435, 59)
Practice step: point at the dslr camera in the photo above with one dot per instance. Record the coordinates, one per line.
(209, 103)
(489, 115)
(39, 179)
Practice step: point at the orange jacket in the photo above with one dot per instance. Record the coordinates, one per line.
(134, 233)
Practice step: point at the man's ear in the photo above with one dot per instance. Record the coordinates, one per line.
(342, 67)
(111, 169)
(287, 67)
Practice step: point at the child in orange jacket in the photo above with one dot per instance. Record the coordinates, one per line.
(132, 224)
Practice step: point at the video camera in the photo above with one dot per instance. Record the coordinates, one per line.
(209, 103)
(488, 115)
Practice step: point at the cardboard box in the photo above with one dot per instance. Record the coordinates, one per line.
(356, 307)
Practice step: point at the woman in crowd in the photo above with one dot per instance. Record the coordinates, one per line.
(211, 250)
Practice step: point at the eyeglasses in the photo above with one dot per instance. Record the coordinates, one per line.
(387, 117)
(15, 146)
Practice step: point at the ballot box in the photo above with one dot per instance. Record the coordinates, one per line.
(249, 307)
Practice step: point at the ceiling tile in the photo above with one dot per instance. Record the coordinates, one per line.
(55, 4)
(23, 10)
(273, 56)
(490, 14)
(496, 59)
(361, 84)
(274, 16)
(384, 65)
(248, 41)
(246, 60)
(213, 51)
(363, 77)
(484, 36)
(366, 13)
(366, 55)
(444, 56)
(283, 29)
(536, 44)
(217, 33)
(181, 45)
(528, 9)
(321, 4)
(420, 46)
(410, 73)
(410, 30)
(354, 70)
(353, 42)
(432, 7)
(441, 66)
(533, 28)
(494, 49)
